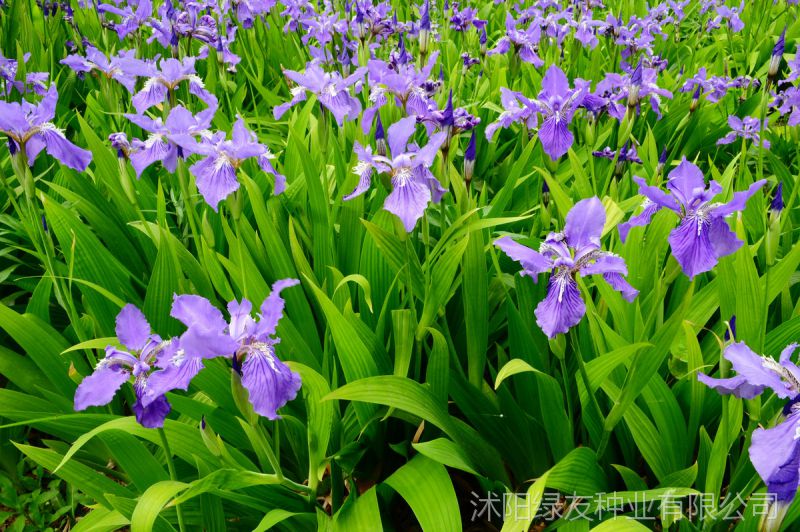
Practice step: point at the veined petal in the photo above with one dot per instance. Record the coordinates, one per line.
(621, 285)
(272, 308)
(563, 306)
(242, 322)
(193, 310)
(216, 179)
(269, 382)
(555, 136)
(132, 328)
(737, 386)
(788, 351)
(408, 201)
(153, 415)
(205, 336)
(399, 133)
(533, 262)
(641, 219)
(99, 388)
(759, 371)
(57, 145)
(722, 238)
(554, 82)
(656, 195)
(691, 246)
(153, 93)
(584, 223)
(686, 182)
(176, 376)
(152, 150)
(739, 200)
(775, 454)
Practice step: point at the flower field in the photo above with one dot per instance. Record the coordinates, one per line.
(361, 265)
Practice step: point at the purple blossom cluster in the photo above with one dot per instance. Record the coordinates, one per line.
(159, 366)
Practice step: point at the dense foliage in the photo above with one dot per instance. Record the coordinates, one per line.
(362, 265)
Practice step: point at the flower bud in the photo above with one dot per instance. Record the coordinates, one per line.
(424, 27)
(469, 159)
(695, 99)
(635, 87)
(777, 55)
(380, 138)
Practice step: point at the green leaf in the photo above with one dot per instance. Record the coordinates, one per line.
(416, 399)
(426, 487)
(361, 513)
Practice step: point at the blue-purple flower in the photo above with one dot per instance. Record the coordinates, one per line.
(525, 42)
(269, 382)
(216, 172)
(178, 362)
(747, 128)
(30, 128)
(169, 139)
(132, 16)
(161, 82)
(774, 452)
(567, 255)
(330, 88)
(703, 235)
(124, 67)
(413, 184)
(8, 76)
(557, 103)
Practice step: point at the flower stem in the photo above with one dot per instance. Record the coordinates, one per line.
(172, 475)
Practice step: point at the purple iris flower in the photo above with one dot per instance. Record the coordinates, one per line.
(330, 88)
(323, 28)
(269, 382)
(450, 120)
(294, 11)
(8, 75)
(516, 108)
(626, 154)
(774, 452)
(413, 184)
(223, 48)
(132, 16)
(373, 22)
(469, 61)
(30, 127)
(525, 42)
(586, 29)
(557, 103)
(748, 128)
(161, 82)
(171, 138)
(178, 363)
(463, 19)
(194, 24)
(794, 67)
(412, 89)
(788, 102)
(248, 10)
(567, 255)
(216, 172)
(629, 90)
(703, 235)
(119, 141)
(122, 67)
(165, 27)
(730, 15)
(715, 87)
